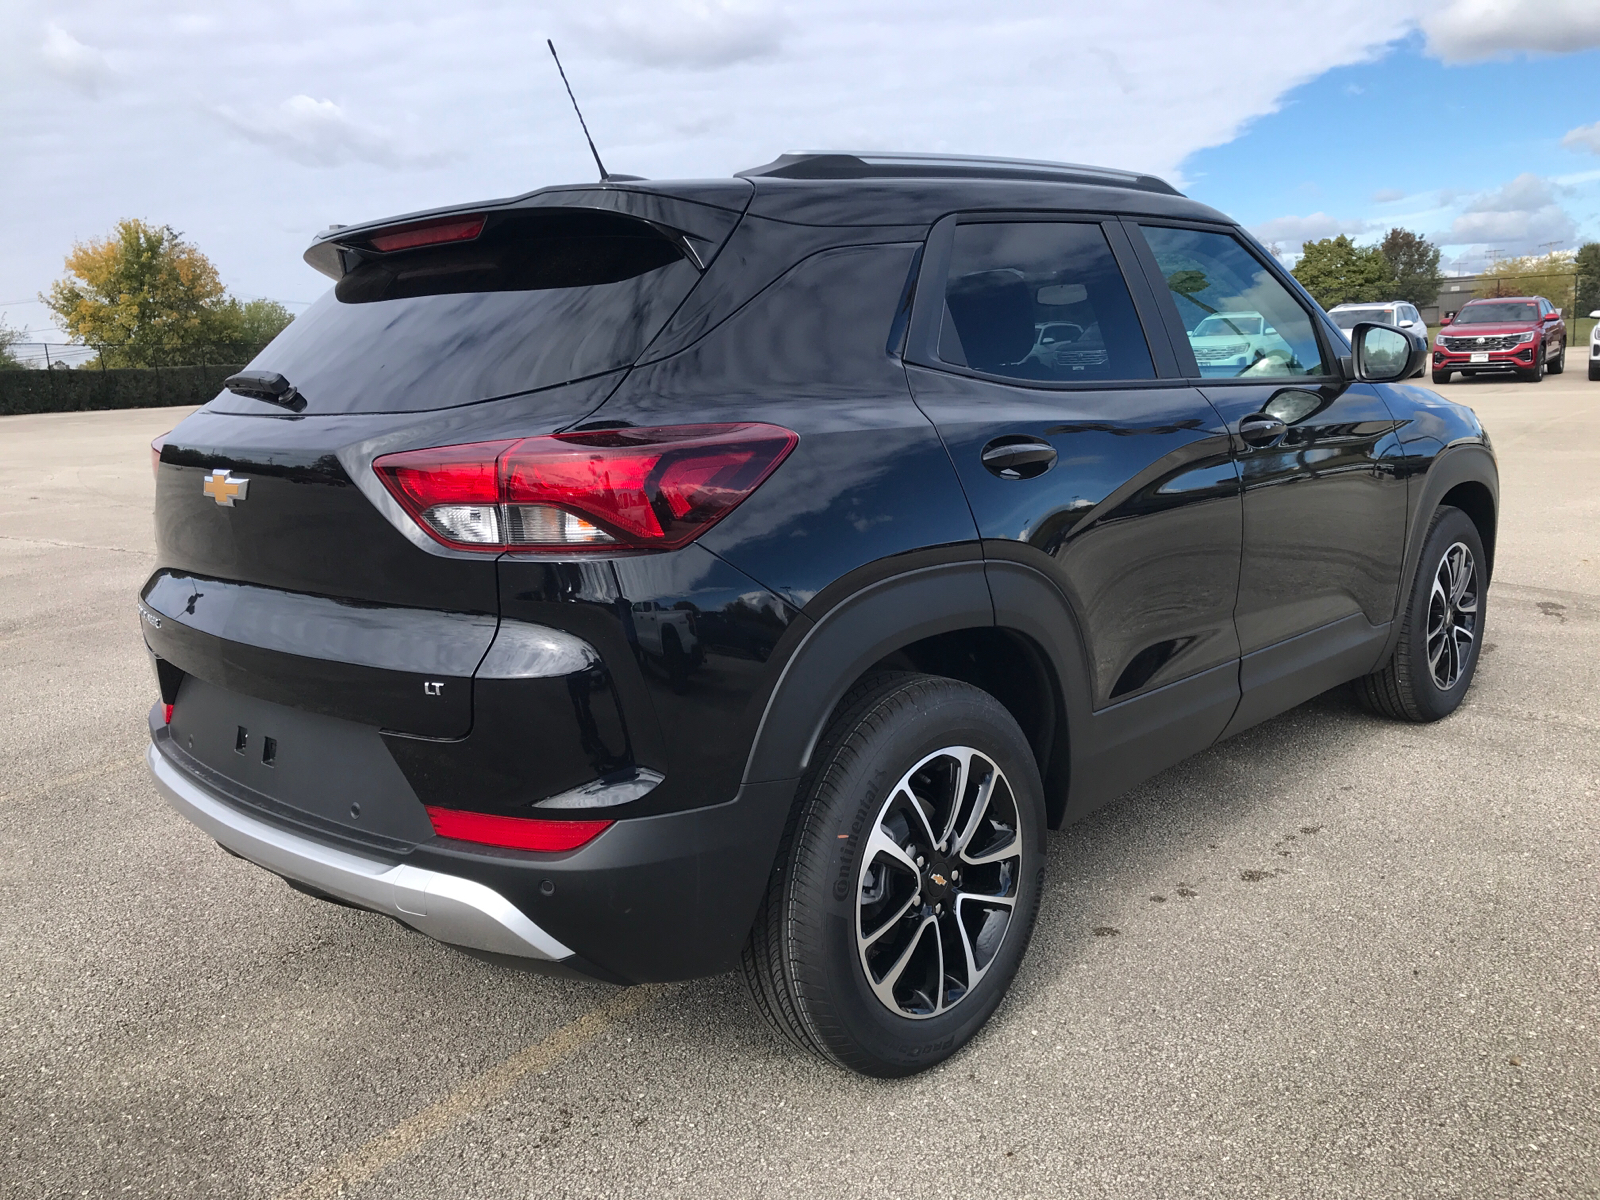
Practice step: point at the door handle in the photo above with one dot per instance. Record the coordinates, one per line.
(1018, 457)
(1261, 430)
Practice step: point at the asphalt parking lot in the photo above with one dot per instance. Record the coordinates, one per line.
(1332, 957)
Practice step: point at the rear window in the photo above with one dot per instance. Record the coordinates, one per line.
(541, 297)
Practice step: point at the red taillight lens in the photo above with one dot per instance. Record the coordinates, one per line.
(427, 233)
(613, 489)
(517, 833)
(166, 712)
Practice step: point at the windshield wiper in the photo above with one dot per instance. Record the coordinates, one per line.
(268, 386)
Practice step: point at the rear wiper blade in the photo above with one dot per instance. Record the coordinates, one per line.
(268, 386)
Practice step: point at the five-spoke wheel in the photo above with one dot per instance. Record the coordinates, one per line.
(938, 882)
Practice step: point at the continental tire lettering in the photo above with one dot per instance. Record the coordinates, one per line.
(841, 885)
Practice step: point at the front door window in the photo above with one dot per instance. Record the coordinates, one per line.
(1240, 321)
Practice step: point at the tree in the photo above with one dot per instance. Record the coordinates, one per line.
(1548, 275)
(8, 338)
(1587, 263)
(259, 321)
(144, 297)
(1414, 264)
(1337, 271)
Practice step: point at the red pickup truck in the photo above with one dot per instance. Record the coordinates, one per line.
(1524, 335)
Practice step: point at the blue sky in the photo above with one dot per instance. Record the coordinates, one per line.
(1408, 140)
(248, 127)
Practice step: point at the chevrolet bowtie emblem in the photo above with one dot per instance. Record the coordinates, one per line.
(939, 879)
(225, 489)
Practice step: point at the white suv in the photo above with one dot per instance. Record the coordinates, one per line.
(1390, 312)
(1594, 350)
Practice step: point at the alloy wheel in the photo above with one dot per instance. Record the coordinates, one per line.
(938, 883)
(1452, 615)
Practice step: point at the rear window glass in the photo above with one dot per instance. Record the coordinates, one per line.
(1040, 300)
(540, 297)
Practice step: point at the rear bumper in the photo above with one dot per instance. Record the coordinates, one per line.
(450, 908)
(651, 899)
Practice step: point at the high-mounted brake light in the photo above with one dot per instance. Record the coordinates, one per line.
(427, 233)
(517, 833)
(611, 489)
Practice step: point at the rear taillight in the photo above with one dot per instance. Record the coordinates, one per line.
(166, 714)
(155, 453)
(517, 833)
(611, 489)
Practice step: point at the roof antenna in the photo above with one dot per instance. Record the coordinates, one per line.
(604, 174)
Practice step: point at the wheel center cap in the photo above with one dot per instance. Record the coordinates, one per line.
(939, 879)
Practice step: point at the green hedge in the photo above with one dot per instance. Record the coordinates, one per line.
(120, 387)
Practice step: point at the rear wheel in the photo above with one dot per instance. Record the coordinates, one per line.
(909, 882)
(1558, 364)
(1441, 376)
(1441, 630)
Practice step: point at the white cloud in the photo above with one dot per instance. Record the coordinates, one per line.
(1584, 137)
(319, 133)
(1518, 218)
(350, 109)
(1472, 30)
(81, 66)
(698, 34)
(1387, 195)
(1296, 231)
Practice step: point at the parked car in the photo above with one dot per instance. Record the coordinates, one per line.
(1065, 346)
(1521, 335)
(1226, 344)
(1390, 312)
(1594, 349)
(946, 595)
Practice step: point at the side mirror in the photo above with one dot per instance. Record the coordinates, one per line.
(1595, 313)
(1384, 354)
(1555, 316)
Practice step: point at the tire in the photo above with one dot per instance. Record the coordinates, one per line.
(1412, 686)
(1594, 371)
(1558, 364)
(806, 961)
(1535, 373)
(1441, 377)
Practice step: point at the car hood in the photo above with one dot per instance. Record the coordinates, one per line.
(1498, 329)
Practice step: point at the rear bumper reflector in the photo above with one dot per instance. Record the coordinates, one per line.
(516, 833)
(446, 907)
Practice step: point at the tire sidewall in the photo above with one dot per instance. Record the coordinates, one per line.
(1451, 526)
(831, 974)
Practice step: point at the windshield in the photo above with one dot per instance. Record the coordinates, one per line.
(1229, 324)
(1346, 318)
(541, 297)
(1498, 313)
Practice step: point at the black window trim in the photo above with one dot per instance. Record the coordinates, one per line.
(927, 311)
(1168, 308)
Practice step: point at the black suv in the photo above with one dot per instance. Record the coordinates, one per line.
(644, 580)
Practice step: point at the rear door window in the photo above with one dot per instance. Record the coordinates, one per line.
(1040, 300)
(1239, 320)
(540, 297)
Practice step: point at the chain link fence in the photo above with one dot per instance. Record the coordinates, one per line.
(74, 377)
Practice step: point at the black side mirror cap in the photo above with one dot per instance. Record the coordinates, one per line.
(1385, 353)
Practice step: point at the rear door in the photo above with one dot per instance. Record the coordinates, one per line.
(1324, 500)
(1085, 456)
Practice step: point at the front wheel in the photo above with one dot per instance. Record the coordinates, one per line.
(1558, 364)
(1535, 373)
(909, 882)
(1441, 629)
(1441, 377)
